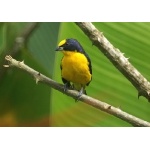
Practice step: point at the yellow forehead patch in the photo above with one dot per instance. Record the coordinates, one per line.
(62, 42)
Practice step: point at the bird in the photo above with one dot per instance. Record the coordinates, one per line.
(76, 67)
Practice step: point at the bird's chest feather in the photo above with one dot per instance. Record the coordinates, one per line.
(75, 68)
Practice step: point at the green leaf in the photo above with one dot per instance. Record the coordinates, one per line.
(108, 84)
(42, 44)
(2, 37)
(22, 101)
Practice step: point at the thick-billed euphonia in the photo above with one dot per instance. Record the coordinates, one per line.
(75, 65)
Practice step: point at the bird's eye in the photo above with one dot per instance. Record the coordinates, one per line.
(66, 44)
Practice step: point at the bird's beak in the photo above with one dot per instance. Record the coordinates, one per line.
(59, 49)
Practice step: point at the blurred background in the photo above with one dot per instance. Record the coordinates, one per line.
(23, 103)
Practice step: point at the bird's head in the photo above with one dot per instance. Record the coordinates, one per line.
(71, 45)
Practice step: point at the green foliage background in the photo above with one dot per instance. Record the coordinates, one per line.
(23, 103)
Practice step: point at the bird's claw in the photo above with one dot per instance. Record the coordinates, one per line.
(80, 94)
(66, 86)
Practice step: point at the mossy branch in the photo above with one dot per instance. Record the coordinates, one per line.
(117, 58)
(72, 93)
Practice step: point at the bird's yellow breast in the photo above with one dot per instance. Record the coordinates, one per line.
(75, 68)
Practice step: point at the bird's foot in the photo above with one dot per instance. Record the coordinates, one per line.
(80, 94)
(66, 86)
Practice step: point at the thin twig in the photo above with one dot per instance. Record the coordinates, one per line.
(84, 98)
(20, 41)
(117, 58)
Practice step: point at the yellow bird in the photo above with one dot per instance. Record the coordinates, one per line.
(75, 66)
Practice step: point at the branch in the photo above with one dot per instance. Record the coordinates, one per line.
(20, 41)
(84, 98)
(117, 58)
